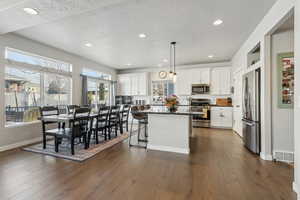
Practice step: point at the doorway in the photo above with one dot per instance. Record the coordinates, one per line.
(282, 84)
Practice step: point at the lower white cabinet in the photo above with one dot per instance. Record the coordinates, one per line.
(221, 117)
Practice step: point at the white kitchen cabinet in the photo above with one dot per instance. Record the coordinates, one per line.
(221, 117)
(183, 85)
(135, 84)
(185, 79)
(221, 81)
(143, 84)
(124, 85)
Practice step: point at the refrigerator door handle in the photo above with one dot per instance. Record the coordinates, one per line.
(248, 123)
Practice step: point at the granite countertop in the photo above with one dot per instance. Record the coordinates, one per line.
(164, 110)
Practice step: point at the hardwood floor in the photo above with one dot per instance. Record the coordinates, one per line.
(218, 168)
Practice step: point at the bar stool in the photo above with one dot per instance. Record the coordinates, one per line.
(142, 119)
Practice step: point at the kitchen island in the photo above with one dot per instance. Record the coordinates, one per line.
(169, 131)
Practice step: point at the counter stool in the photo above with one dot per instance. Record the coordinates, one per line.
(142, 119)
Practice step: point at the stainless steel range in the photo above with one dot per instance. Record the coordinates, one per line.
(201, 105)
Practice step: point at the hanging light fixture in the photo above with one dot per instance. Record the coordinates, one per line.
(173, 61)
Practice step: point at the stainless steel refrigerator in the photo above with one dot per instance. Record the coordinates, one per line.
(251, 111)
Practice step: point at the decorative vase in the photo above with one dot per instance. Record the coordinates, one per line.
(172, 108)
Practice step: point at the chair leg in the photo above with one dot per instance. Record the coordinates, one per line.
(56, 144)
(97, 137)
(127, 125)
(139, 131)
(130, 133)
(44, 141)
(105, 133)
(116, 130)
(109, 132)
(72, 146)
(121, 127)
(86, 144)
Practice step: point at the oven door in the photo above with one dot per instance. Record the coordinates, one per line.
(202, 120)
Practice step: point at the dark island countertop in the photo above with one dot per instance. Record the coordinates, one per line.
(164, 110)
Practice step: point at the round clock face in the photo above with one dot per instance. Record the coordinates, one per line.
(163, 74)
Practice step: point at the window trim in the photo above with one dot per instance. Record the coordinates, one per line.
(35, 68)
(37, 56)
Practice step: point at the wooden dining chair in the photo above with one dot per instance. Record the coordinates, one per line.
(113, 120)
(100, 123)
(48, 111)
(79, 128)
(124, 117)
(71, 108)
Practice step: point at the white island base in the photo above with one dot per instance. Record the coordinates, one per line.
(169, 132)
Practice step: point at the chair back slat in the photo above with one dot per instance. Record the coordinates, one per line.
(80, 122)
(72, 108)
(102, 117)
(125, 112)
(48, 111)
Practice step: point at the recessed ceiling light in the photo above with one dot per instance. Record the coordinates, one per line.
(211, 56)
(142, 35)
(218, 22)
(128, 64)
(159, 65)
(165, 60)
(88, 45)
(31, 11)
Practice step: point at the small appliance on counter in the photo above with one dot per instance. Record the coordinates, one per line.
(140, 102)
(200, 89)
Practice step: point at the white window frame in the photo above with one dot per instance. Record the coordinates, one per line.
(36, 68)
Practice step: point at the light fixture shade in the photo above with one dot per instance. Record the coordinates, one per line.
(174, 77)
(172, 59)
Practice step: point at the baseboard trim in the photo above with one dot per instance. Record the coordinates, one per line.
(169, 149)
(20, 144)
(296, 189)
(266, 156)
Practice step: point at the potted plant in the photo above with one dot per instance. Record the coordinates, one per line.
(171, 102)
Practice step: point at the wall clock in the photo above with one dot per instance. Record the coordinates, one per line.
(163, 74)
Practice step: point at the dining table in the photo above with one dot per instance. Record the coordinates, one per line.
(63, 117)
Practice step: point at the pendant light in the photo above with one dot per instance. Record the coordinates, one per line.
(173, 61)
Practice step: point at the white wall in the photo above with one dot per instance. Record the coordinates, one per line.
(9, 137)
(282, 119)
(276, 14)
(297, 100)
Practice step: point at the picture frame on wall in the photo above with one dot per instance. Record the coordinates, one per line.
(286, 77)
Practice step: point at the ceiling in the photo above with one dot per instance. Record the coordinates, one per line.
(113, 26)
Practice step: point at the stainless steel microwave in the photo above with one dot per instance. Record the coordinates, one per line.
(200, 89)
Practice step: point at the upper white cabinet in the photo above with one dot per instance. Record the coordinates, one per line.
(123, 85)
(132, 84)
(200, 76)
(185, 79)
(221, 81)
(183, 83)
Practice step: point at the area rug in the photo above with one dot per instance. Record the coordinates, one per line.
(81, 154)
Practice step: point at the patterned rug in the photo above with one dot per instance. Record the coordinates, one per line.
(81, 154)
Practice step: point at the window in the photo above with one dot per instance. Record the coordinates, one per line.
(99, 87)
(24, 57)
(96, 74)
(22, 95)
(57, 89)
(98, 92)
(43, 81)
